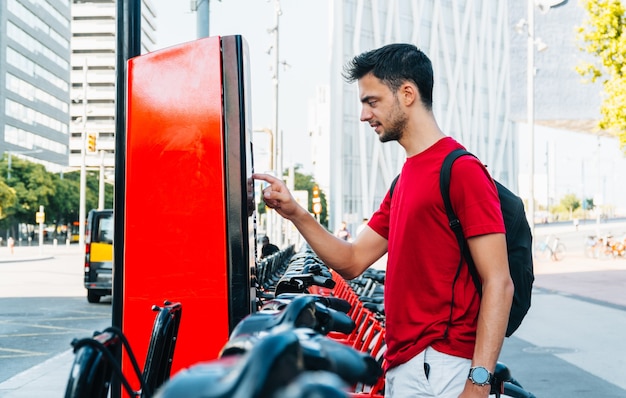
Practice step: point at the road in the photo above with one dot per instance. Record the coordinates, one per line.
(43, 306)
(575, 238)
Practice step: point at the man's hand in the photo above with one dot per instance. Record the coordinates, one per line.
(474, 391)
(276, 196)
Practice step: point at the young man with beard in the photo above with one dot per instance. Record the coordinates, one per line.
(443, 338)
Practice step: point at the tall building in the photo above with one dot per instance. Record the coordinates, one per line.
(93, 76)
(558, 88)
(468, 43)
(479, 54)
(34, 74)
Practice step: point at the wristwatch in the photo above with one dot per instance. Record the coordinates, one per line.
(480, 376)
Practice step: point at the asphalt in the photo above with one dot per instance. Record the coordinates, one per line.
(577, 320)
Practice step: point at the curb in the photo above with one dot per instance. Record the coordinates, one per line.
(43, 378)
(24, 259)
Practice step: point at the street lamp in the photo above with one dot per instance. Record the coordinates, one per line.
(83, 167)
(201, 8)
(278, 145)
(544, 6)
(11, 153)
(271, 216)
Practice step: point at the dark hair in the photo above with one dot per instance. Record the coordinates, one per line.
(394, 64)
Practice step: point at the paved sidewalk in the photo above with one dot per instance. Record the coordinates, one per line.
(34, 252)
(580, 276)
(48, 379)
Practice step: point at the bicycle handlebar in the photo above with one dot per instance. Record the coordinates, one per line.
(296, 311)
(272, 364)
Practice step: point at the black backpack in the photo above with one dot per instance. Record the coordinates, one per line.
(518, 241)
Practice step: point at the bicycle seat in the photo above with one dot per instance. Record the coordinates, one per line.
(270, 365)
(377, 308)
(319, 353)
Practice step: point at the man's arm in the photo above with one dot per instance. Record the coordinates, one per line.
(349, 259)
(490, 256)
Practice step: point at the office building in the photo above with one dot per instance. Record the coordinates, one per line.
(93, 77)
(468, 43)
(35, 76)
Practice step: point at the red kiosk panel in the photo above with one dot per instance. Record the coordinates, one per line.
(175, 244)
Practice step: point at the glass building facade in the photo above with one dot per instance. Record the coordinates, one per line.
(35, 74)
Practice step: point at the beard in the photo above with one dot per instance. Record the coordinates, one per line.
(397, 125)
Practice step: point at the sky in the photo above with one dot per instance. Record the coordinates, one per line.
(303, 46)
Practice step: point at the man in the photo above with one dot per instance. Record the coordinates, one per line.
(268, 248)
(438, 342)
(342, 232)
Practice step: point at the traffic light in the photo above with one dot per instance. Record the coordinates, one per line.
(91, 142)
(317, 203)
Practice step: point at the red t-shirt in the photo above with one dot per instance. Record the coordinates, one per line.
(423, 253)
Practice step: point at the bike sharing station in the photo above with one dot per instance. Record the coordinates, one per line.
(185, 243)
(188, 246)
(189, 231)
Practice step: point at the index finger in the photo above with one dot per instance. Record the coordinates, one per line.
(265, 177)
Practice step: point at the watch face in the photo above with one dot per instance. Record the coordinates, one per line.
(480, 375)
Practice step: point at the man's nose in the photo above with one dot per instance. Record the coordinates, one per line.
(365, 114)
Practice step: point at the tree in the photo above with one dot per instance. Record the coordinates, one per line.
(603, 35)
(63, 207)
(33, 187)
(91, 189)
(7, 199)
(304, 182)
(570, 202)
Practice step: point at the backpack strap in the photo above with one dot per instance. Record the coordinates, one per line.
(393, 185)
(455, 224)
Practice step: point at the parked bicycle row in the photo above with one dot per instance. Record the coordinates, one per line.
(605, 247)
(314, 334)
(365, 295)
(282, 350)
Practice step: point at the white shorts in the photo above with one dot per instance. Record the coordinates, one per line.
(446, 377)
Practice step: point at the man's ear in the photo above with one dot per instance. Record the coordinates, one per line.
(409, 94)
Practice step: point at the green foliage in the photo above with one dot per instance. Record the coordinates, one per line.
(305, 182)
(31, 186)
(7, 198)
(570, 202)
(603, 35)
